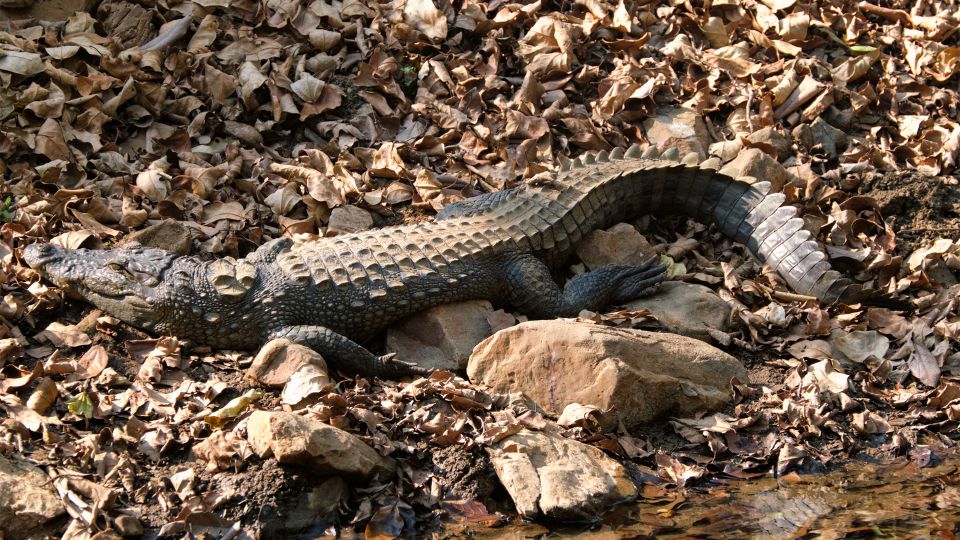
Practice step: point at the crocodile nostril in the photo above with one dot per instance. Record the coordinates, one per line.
(37, 255)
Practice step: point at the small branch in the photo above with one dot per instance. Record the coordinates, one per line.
(784, 296)
(896, 15)
(173, 34)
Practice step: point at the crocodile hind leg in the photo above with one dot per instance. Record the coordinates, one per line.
(346, 355)
(531, 289)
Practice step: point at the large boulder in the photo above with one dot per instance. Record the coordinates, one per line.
(549, 476)
(294, 439)
(687, 309)
(27, 497)
(638, 376)
(441, 337)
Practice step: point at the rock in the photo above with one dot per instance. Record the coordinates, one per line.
(620, 244)
(638, 376)
(687, 309)
(296, 440)
(678, 127)
(348, 219)
(819, 133)
(27, 497)
(772, 141)
(441, 337)
(279, 359)
(128, 526)
(550, 476)
(168, 234)
(755, 163)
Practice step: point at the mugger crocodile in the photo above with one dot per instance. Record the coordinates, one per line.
(334, 293)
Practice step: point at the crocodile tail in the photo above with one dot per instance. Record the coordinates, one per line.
(747, 211)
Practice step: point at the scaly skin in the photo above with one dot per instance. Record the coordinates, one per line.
(332, 294)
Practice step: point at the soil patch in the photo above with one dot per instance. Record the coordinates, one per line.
(918, 208)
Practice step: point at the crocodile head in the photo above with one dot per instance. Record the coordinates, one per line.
(128, 283)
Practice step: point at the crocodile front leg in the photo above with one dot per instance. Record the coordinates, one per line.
(346, 355)
(531, 289)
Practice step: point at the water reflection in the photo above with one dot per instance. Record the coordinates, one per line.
(908, 498)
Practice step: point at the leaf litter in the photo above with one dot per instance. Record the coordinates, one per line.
(246, 121)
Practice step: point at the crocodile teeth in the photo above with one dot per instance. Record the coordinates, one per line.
(616, 153)
(651, 152)
(713, 163)
(671, 154)
(589, 159)
(565, 163)
(603, 156)
(691, 158)
(634, 152)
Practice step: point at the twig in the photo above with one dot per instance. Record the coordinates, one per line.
(897, 15)
(175, 31)
(784, 296)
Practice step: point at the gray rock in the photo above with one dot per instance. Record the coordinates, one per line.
(755, 163)
(441, 337)
(638, 376)
(687, 309)
(294, 439)
(549, 476)
(819, 133)
(128, 526)
(678, 127)
(348, 219)
(279, 359)
(620, 244)
(168, 234)
(27, 497)
(772, 141)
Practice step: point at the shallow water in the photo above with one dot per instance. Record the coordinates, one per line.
(908, 498)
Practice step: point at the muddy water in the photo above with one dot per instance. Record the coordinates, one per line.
(903, 499)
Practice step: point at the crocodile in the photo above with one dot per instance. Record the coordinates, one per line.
(334, 294)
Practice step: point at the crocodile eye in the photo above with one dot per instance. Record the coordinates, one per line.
(120, 269)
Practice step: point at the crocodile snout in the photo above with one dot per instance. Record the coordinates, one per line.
(39, 255)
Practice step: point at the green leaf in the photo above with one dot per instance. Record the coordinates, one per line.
(219, 418)
(81, 405)
(862, 49)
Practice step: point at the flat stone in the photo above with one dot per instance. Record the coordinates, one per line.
(296, 440)
(441, 337)
(678, 127)
(687, 309)
(279, 359)
(168, 234)
(620, 244)
(757, 164)
(27, 497)
(553, 477)
(638, 376)
(348, 219)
